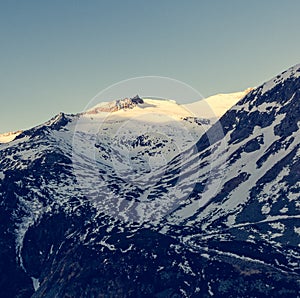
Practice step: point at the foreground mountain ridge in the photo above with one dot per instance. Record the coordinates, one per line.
(219, 219)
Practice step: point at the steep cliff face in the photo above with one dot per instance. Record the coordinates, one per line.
(80, 218)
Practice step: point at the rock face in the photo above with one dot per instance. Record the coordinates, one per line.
(119, 104)
(137, 100)
(220, 219)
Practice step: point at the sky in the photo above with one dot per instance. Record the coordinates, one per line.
(57, 55)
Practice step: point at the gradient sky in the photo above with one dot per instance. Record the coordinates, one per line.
(57, 55)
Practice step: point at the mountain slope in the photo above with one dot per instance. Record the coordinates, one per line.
(218, 104)
(246, 200)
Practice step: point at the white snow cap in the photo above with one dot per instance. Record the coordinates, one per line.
(9, 136)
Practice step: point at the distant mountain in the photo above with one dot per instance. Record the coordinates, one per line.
(211, 108)
(149, 200)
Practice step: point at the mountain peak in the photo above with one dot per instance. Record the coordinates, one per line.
(291, 73)
(116, 105)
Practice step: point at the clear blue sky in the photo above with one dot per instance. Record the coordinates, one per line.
(56, 55)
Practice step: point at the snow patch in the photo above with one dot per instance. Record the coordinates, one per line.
(36, 283)
(9, 136)
(215, 106)
(297, 230)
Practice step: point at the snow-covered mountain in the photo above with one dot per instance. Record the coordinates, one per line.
(211, 108)
(150, 200)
